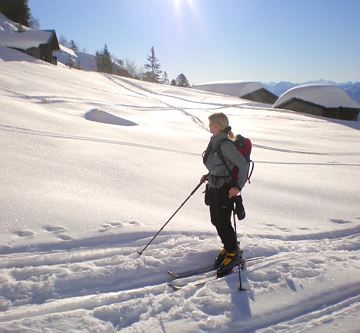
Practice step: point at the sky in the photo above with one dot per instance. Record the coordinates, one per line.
(213, 40)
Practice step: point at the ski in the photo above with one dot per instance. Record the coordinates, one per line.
(184, 274)
(206, 269)
(197, 283)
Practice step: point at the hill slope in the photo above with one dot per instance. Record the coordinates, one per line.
(93, 165)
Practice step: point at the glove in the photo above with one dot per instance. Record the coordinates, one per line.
(204, 178)
(239, 208)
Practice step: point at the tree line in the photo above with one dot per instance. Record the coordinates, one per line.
(19, 11)
(151, 71)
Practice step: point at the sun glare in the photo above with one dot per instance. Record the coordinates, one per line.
(178, 3)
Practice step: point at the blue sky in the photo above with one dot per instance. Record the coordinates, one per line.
(209, 40)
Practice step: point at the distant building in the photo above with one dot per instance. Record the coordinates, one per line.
(321, 100)
(254, 91)
(37, 43)
(66, 56)
(81, 60)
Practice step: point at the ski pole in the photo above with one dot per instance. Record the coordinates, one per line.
(193, 191)
(238, 253)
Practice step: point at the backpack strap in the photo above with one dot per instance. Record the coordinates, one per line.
(206, 153)
(221, 155)
(250, 170)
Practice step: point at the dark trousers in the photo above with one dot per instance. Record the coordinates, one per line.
(220, 213)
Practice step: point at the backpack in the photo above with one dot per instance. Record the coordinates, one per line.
(243, 146)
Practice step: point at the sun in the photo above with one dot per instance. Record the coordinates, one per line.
(178, 3)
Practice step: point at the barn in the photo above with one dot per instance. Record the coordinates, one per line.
(320, 100)
(254, 91)
(37, 43)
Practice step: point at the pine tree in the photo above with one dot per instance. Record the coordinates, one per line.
(63, 41)
(108, 65)
(16, 10)
(173, 82)
(73, 46)
(33, 23)
(103, 61)
(182, 81)
(153, 67)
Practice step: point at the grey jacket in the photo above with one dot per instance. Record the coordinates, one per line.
(218, 173)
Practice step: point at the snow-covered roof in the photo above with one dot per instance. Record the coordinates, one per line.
(7, 25)
(7, 54)
(232, 88)
(24, 40)
(82, 60)
(67, 50)
(329, 96)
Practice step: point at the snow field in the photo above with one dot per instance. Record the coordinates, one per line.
(93, 165)
(114, 285)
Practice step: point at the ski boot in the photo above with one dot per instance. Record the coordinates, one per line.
(220, 258)
(229, 262)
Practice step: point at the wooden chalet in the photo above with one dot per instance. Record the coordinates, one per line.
(36, 43)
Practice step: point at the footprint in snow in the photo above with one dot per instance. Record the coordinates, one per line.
(104, 227)
(274, 226)
(340, 221)
(24, 233)
(54, 228)
(110, 225)
(65, 237)
(134, 223)
(58, 231)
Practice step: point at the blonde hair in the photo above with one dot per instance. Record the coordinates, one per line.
(222, 122)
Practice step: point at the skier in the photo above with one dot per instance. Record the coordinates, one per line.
(221, 189)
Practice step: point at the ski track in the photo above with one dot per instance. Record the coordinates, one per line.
(318, 317)
(28, 131)
(91, 139)
(99, 280)
(142, 92)
(125, 84)
(87, 278)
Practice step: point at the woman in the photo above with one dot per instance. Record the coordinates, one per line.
(221, 189)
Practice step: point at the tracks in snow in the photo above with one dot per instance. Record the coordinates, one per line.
(103, 281)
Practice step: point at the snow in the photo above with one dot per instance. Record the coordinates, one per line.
(231, 88)
(86, 61)
(24, 40)
(7, 54)
(81, 60)
(92, 167)
(7, 25)
(325, 95)
(66, 50)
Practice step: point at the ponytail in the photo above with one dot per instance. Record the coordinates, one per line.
(229, 133)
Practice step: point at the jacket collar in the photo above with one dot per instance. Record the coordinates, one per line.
(215, 139)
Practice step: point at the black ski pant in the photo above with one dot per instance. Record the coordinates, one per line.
(221, 208)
